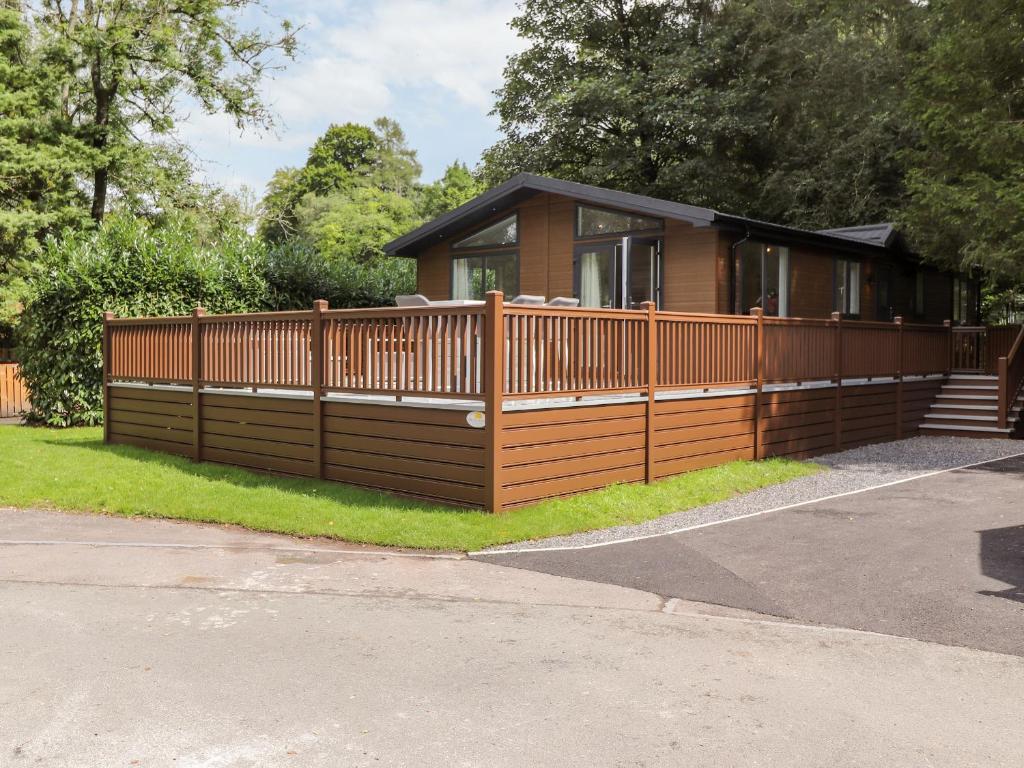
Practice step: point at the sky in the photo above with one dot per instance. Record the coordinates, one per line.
(430, 64)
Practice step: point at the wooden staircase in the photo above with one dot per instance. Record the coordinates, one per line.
(968, 406)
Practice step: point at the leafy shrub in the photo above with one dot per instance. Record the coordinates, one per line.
(297, 275)
(131, 268)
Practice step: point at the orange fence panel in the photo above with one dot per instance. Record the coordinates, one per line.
(435, 353)
(870, 350)
(799, 350)
(271, 350)
(710, 350)
(153, 350)
(551, 352)
(13, 392)
(926, 349)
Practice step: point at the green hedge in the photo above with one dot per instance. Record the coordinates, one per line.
(130, 268)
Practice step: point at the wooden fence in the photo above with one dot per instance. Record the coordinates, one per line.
(13, 393)
(541, 401)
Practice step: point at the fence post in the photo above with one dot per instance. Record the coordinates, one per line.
(197, 376)
(949, 358)
(837, 318)
(107, 317)
(651, 367)
(316, 381)
(899, 377)
(494, 377)
(758, 313)
(1003, 394)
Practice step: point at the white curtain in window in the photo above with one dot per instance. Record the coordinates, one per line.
(854, 288)
(783, 282)
(460, 279)
(590, 280)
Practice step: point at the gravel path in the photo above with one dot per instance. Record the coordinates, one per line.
(847, 471)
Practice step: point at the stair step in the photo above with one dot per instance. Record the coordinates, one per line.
(962, 428)
(958, 418)
(964, 410)
(968, 388)
(959, 378)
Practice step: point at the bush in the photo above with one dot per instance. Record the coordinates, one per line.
(131, 268)
(297, 275)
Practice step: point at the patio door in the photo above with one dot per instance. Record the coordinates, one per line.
(644, 267)
(618, 275)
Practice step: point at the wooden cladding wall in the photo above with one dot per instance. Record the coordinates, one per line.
(150, 417)
(694, 433)
(430, 453)
(555, 452)
(561, 451)
(426, 452)
(802, 422)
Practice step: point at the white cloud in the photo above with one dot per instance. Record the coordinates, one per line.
(361, 60)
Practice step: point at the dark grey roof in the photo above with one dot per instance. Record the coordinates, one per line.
(883, 235)
(525, 185)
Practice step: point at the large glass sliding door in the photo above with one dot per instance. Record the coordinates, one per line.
(623, 274)
(645, 265)
(762, 279)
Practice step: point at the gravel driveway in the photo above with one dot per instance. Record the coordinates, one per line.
(848, 471)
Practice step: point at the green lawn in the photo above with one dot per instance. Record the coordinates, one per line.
(73, 470)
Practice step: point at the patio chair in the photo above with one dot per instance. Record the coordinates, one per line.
(412, 300)
(563, 301)
(525, 298)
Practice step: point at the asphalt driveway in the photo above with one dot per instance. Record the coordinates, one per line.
(939, 558)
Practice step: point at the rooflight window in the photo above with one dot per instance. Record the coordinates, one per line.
(500, 233)
(593, 222)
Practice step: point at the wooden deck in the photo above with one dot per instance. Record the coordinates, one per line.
(497, 406)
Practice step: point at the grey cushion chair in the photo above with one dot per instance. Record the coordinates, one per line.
(563, 301)
(412, 300)
(525, 298)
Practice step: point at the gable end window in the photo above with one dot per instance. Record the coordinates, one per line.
(500, 234)
(596, 222)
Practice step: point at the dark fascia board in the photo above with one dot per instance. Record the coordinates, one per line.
(525, 185)
(786, 235)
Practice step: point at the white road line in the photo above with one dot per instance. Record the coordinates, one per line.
(521, 550)
(238, 547)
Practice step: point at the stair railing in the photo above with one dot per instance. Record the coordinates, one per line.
(1011, 377)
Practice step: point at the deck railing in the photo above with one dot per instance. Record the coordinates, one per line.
(543, 352)
(1010, 372)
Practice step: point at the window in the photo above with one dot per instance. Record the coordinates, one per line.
(847, 298)
(964, 300)
(762, 278)
(473, 276)
(504, 232)
(594, 222)
(597, 274)
(919, 293)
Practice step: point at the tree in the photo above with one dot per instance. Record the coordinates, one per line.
(456, 187)
(780, 109)
(39, 160)
(345, 158)
(966, 177)
(128, 63)
(355, 225)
